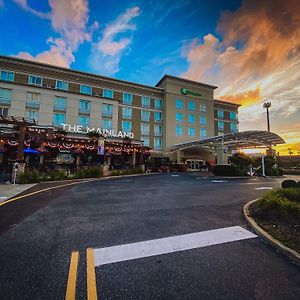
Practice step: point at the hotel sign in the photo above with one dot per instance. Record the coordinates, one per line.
(104, 132)
(185, 91)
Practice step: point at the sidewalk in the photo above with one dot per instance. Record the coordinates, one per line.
(8, 190)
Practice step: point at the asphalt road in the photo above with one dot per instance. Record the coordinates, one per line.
(35, 254)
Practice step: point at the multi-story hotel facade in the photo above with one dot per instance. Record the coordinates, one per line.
(173, 111)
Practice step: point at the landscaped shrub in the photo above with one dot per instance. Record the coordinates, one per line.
(57, 175)
(88, 173)
(292, 194)
(288, 183)
(29, 177)
(228, 170)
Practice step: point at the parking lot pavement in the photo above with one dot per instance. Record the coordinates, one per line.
(59, 248)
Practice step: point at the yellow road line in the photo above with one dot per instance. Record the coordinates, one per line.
(91, 276)
(71, 285)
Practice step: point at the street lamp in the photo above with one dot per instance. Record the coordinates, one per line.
(267, 105)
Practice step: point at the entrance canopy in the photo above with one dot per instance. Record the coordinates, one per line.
(238, 140)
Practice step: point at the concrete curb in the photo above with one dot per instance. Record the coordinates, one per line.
(288, 252)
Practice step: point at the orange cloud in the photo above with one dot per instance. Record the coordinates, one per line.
(285, 148)
(245, 98)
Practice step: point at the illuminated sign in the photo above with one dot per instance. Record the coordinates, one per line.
(104, 132)
(185, 91)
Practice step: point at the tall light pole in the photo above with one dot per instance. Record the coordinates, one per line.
(267, 105)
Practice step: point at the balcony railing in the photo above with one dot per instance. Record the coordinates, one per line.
(32, 104)
(106, 114)
(4, 101)
(58, 107)
(84, 110)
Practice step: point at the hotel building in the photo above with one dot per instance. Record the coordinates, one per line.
(173, 111)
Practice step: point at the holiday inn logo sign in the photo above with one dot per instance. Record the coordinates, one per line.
(186, 92)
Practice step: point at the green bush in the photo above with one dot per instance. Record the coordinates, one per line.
(57, 175)
(288, 183)
(29, 177)
(292, 194)
(228, 170)
(88, 173)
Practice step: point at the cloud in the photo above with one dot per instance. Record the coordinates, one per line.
(245, 98)
(107, 52)
(1, 4)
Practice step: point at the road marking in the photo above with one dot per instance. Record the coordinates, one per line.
(218, 181)
(174, 175)
(170, 244)
(264, 188)
(91, 276)
(71, 285)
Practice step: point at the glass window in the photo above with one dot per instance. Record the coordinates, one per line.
(58, 119)
(157, 116)
(4, 111)
(203, 132)
(5, 96)
(85, 89)
(33, 100)
(108, 93)
(127, 98)
(179, 117)
(32, 115)
(60, 103)
(107, 124)
(220, 125)
(234, 127)
(203, 107)
(220, 114)
(191, 105)
(35, 80)
(179, 104)
(145, 115)
(158, 130)
(126, 126)
(157, 143)
(191, 131)
(145, 128)
(7, 75)
(233, 115)
(62, 85)
(84, 106)
(203, 120)
(179, 131)
(158, 103)
(126, 112)
(146, 140)
(145, 101)
(84, 121)
(191, 118)
(107, 110)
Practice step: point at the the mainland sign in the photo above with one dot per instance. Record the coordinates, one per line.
(185, 91)
(104, 132)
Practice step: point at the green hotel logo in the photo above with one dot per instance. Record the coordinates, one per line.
(185, 91)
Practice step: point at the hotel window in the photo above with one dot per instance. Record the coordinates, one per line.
(191, 118)
(126, 126)
(107, 110)
(107, 124)
(233, 115)
(127, 98)
(220, 125)
(4, 111)
(179, 117)
(107, 93)
(179, 104)
(5, 96)
(203, 120)
(157, 143)
(126, 112)
(145, 128)
(234, 127)
(203, 132)
(60, 103)
(32, 115)
(33, 100)
(158, 130)
(35, 80)
(145, 101)
(58, 119)
(146, 140)
(191, 131)
(145, 115)
(220, 114)
(191, 105)
(84, 121)
(179, 131)
(158, 103)
(85, 89)
(7, 75)
(62, 85)
(157, 116)
(84, 106)
(203, 107)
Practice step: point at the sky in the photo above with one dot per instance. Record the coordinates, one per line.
(250, 49)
